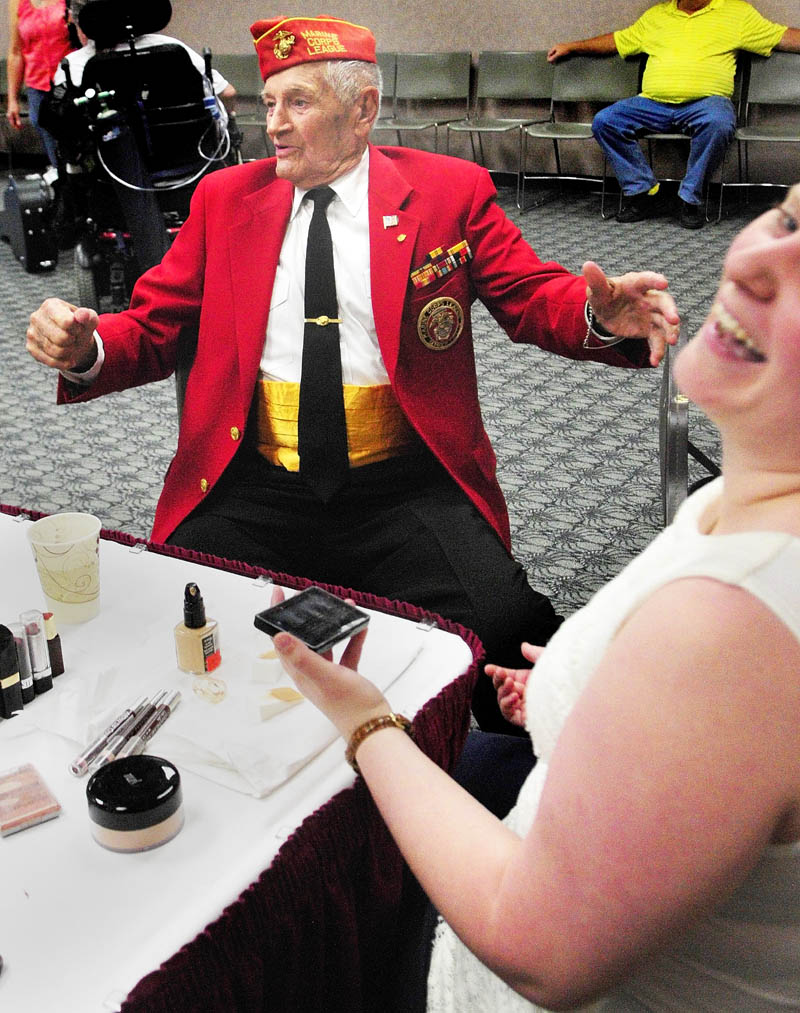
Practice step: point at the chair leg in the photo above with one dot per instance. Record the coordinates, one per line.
(711, 467)
(603, 192)
(548, 195)
(520, 167)
(747, 168)
(523, 161)
(558, 156)
(721, 190)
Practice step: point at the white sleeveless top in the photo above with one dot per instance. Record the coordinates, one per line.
(746, 957)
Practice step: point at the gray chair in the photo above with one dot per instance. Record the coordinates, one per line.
(424, 81)
(387, 62)
(578, 81)
(504, 77)
(773, 81)
(242, 71)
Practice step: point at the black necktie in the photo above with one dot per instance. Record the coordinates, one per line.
(321, 425)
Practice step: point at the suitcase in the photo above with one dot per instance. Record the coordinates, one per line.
(26, 222)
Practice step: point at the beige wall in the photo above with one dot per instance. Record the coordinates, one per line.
(426, 26)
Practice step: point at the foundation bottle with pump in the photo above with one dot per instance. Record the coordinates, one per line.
(197, 637)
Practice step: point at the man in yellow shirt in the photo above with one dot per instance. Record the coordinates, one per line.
(691, 48)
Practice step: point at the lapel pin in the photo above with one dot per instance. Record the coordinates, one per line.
(389, 221)
(401, 237)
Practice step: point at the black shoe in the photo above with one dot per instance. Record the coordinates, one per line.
(642, 206)
(691, 216)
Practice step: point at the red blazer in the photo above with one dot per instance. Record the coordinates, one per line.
(218, 277)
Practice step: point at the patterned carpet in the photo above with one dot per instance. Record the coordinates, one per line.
(577, 443)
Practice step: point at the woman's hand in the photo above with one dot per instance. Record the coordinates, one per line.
(510, 686)
(343, 696)
(13, 114)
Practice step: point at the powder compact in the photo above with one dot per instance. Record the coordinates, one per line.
(135, 803)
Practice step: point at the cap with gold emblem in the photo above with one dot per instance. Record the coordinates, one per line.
(284, 42)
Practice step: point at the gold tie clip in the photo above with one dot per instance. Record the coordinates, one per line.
(323, 321)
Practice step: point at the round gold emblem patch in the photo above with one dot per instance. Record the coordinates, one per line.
(440, 323)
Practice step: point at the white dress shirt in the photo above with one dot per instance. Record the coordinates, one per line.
(348, 218)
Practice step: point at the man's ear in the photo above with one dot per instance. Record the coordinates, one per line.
(367, 111)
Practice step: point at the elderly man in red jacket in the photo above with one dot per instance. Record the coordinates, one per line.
(331, 424)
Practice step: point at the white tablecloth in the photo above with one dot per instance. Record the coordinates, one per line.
(81, 925)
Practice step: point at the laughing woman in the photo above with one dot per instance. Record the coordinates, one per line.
(652, 861)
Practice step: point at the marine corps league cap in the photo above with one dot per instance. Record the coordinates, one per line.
(284, 42)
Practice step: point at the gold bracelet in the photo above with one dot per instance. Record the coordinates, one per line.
(390, 720)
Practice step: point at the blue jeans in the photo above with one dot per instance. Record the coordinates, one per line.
(709, 122)
(35, 97)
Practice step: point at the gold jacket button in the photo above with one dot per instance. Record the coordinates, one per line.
(203, 485)
(235, 434)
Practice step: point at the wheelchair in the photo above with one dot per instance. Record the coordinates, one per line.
(144, 128)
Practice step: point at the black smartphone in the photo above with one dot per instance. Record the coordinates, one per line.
(316, 617)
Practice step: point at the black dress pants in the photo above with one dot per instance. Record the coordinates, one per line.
(400, 529)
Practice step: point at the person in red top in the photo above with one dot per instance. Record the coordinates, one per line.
(416, 238)
(38, 41)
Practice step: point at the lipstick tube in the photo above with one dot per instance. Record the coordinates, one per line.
(33, 621)
(24, 660)
(10, 688)
(54, 651)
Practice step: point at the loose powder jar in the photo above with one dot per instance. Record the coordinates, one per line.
(135, 803)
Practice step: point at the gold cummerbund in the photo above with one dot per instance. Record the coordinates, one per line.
(376, 426)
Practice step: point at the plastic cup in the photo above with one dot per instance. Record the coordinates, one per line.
(66, 548)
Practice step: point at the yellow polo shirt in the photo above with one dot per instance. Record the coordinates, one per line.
(692, 56)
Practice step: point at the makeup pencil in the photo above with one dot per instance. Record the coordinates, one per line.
(136, 743)
(80, 764)
(126, 729)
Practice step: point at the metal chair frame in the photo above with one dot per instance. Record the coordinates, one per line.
(387, 62)
(577, 80)
(427, 78)
(504, 77)
(675, 447)
(772, 81)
